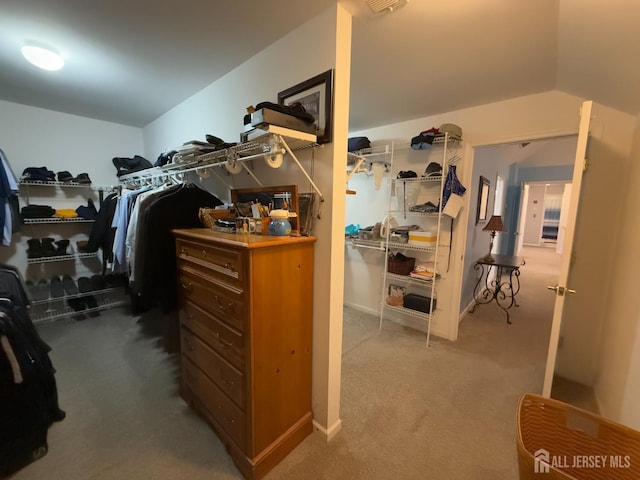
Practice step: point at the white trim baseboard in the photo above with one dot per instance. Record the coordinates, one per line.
(331, 432)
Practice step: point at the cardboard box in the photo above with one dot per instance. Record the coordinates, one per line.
(422, 239)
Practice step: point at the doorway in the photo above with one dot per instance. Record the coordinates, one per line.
(547, 165)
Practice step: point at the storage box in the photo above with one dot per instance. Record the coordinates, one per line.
(401, 266)
(418, 302)
(422, 239)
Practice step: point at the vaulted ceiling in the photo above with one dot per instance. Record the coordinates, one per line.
(130, 61)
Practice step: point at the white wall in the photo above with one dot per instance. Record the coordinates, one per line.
(617, 383)
(35, 137)
(537, 116)
(313, 48)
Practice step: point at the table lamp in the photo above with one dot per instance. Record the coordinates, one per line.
(493, 225)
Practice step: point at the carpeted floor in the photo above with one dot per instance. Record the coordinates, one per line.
(408, 411)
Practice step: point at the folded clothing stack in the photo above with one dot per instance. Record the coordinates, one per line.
(38, 174)
(37, 211)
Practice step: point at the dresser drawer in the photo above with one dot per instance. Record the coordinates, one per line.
(224, 264)
(226, 378)
(225, 304)
(220, 408)
(225, 341)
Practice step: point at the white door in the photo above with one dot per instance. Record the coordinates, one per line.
(561, 289)
(524, 201)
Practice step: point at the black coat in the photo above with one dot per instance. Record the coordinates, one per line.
(178, 209)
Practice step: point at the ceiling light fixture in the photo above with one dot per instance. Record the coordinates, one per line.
(379, 6)
(42, 57)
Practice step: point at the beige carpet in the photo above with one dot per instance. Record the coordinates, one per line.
(408, 411)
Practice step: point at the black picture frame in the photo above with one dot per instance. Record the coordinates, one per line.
(316, 95)
(483, 200)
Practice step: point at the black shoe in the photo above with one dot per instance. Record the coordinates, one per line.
(84, 284)
(35, 248)
(64, 176)
(98, 283)
(48, 249)
(61, 247)
(77, 304)
(39, 291)
(83, 179)
(92, 304)
(57, 289)
(69, 285)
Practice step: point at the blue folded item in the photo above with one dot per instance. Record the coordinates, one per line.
(352, 229)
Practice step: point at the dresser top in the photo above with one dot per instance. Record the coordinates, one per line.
(249, 241)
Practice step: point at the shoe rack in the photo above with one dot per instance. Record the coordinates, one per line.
(63, 280)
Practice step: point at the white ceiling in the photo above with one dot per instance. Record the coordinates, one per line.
(129, 61)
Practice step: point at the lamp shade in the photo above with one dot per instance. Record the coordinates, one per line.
(494, 224)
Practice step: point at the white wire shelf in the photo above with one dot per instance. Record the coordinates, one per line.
(77, 295)
(433, 178)
(406, 246)
(415, 214)
(271, 143)
(32, 221)
(40, 183)
(410, 279)
(359, 242)
(38, 318)
(61, 258)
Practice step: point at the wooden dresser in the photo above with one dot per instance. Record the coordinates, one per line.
(246, 328)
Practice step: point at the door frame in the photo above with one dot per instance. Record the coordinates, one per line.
(461, 234)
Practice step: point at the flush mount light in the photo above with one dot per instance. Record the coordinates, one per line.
(42, 57)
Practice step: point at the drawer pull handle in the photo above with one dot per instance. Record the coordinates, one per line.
(226, 382)
(204, 253)
(183, 251)
(223, 307)
(229, 266)
(222, 342)
(187, 286)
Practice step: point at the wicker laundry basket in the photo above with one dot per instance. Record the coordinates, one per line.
(559, 441)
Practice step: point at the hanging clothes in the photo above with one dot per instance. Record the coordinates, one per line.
(9, 214)
(451, 185)
(29, 399)
(176, 209)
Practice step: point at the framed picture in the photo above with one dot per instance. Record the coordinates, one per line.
(483, 200)
(315, 95)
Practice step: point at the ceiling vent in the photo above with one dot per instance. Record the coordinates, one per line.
(379, 6)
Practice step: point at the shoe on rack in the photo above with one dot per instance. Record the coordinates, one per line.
(98, 283)
(35, 248)
(77, 304)
(82, 179)
(84, 284)
(69, 285)
(57, 290)
(65, 176)
(82, 246)
(92, 305)
(48, 249)
(41, 290)
(61, 248)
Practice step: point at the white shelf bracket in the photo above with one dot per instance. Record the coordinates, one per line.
(295, 159)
